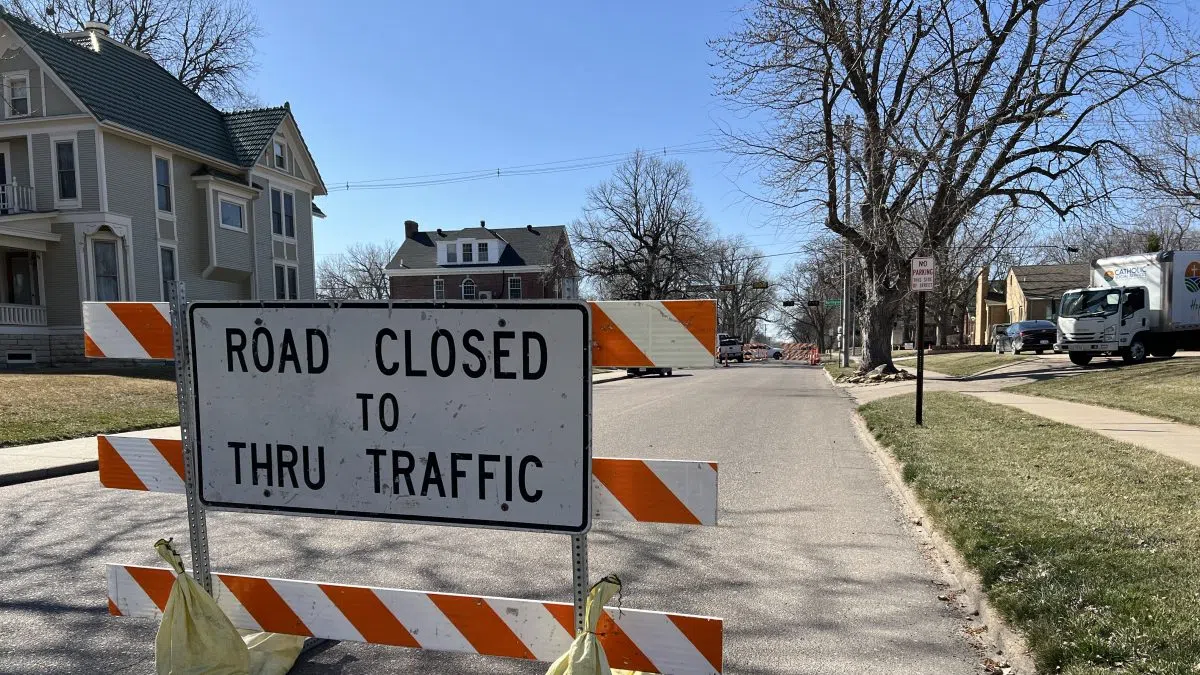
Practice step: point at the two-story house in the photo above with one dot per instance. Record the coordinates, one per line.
(484, 263)
(116, 179)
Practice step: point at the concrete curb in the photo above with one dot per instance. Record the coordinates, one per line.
(1005, 643)
(612, 379)
(18, 477)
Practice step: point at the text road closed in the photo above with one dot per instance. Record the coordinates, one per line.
(463, 414)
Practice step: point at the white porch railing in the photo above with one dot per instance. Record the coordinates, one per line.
(22, 315)
(16, 199)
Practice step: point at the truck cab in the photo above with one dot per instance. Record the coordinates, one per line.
(1107, 321)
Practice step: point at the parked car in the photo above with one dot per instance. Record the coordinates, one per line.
(999, 333)
(1028, 336)
(774, 353)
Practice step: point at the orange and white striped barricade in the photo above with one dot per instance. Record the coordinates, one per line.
(664, 491)
(654, 333)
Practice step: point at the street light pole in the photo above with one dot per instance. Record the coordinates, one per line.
(845, 271)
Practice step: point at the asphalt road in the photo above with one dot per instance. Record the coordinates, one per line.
(811, 568)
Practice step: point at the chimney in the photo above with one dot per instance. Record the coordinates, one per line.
(96, 27)
(483, 224)
(410, 229)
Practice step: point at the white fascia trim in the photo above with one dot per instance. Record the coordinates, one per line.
(102, 170)
(6, 230)
(47, 125)
(468, 270)
(226, 187)
(276, 178)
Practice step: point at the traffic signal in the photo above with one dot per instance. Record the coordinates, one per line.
(728, 287)
(814, 303)
(789, 303)
(759, 285)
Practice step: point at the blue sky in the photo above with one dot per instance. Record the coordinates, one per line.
(399, 89)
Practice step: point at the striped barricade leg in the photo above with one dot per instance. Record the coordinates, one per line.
(652, 642)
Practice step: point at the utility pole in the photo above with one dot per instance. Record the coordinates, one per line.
(849, 129)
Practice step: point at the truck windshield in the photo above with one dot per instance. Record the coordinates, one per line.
(1090, 303)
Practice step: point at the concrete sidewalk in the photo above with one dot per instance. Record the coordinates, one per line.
(1181, 441)
(23, 463)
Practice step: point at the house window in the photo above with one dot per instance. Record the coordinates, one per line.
(483, 251)
(162, 183)
(17, 94)
(466, 253)
(286, 285)
(276, 212)
(439, 289)
(64, 168)
(291, 280)
(289, 215)
(232, 216)
(106, 270)
(166, 262)
(280, 152)
(280, 283)
(452, 254)
(468, 289)
(514, 288)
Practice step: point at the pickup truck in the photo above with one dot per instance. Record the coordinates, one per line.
(729, 348)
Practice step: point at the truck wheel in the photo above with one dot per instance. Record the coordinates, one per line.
(1080, 359)
(1135, 352)
(1163, 352)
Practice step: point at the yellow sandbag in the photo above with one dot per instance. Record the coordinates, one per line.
(195, 637)
(272, 653)
(586, 656)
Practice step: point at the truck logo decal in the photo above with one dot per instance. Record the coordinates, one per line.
(1191, 277)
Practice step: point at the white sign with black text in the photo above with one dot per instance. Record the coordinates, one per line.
(924, 274)
(472, 413)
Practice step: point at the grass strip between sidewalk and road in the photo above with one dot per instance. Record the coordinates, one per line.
(1169, 389)
(1090, 547)
(963, 364)
(39, 407)
(835, 369)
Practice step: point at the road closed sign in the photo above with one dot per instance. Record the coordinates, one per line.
(924, 273)
(470, 414)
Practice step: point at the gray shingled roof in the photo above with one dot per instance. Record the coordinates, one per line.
(125, 87)
(1050, 281)
(525, 247)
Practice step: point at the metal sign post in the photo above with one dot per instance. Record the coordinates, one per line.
(924, 274)
(197, 522)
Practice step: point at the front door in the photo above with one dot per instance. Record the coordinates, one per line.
(22, 278)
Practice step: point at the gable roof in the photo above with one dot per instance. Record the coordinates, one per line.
(1050, 281)
(121, 86)
(525, 247)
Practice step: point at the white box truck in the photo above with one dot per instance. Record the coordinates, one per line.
(1137, 305)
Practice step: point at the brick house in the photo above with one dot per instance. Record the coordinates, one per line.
(484, 263)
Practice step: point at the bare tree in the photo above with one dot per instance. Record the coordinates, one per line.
(815, 278)
(207, 44)
(735, 269)
(642, 235)
(358, 274)
(951, 103)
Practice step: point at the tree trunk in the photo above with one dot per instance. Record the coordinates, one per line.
(878, 311)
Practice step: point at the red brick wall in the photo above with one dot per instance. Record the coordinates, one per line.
(421, 288)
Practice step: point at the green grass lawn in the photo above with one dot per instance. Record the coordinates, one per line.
(1168, 389)
(37, 407)
(1089, 546)
(835, 369)
(963, 364)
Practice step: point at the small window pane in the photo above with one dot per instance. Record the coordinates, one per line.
(18, 96)
(439, 289)
(291, 276)
(108, 285)
(280, 284)
(289, 216)
(468, 290)
(514, 288)
(162, 180)
(276, 212)
(65, 155)
(280, 156)
(452, 254)
(467, 253)
(231, 215)
(167, 263)
(483, 251)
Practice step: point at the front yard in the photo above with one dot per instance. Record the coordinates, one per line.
(37, 407)
(1088, 546)
(962, 364)
(1169, 388)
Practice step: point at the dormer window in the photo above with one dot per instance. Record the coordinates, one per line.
(467, 253)
(483, 251)
(280, 151)
(16, 92)
(452, 255)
